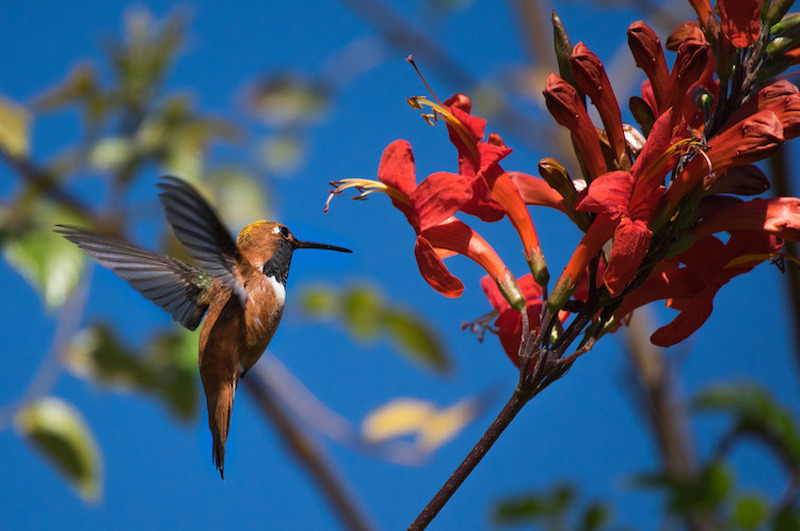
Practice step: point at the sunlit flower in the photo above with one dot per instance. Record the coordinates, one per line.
(429, 209)
(493, 192)
(690, 289)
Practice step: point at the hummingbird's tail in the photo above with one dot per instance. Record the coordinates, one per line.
(220, 406)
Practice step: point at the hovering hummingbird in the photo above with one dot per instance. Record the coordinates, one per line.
(240, 287)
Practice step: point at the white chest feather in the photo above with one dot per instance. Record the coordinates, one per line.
(279, 290)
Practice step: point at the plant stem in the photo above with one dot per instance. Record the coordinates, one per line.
(308, 454)
(500, 423)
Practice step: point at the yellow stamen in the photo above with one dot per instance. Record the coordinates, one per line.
(418, 102)
(760, 257)
(666, 155)
(365, 187)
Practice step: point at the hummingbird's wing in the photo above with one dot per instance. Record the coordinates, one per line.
(198, 228)
(175, 286)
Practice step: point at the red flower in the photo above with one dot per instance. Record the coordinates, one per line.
(748, 141)
(566, 106)
(709, 265)
(778, 216)
(591, 78)
(493, 192)
(429, 209)
(509, 321)
(646, 48)
(741, 21)
(626, 202)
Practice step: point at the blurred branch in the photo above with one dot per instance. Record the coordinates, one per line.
(779, 168)
(41, 180)
(306, 451)
(657, 398)
(404, 37)
(46, 376)
(531, 18)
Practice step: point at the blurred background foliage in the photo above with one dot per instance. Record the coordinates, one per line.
(129, 127)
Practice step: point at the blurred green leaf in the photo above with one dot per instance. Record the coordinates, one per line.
(787, 520)
(756, 413)
(367, 316)
(595, 516)
(50, 263)
(238, 196)
(362, 311)
(415, 338)
(167, 368)
(749, 511)
(534, 507)
(15, 125)
(110, 154)
(281, 153)
(689, 496)
(60, 434)
(284, 99)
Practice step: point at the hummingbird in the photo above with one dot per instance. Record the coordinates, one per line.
(238, 286)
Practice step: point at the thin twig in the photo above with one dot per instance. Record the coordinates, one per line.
(307, 453)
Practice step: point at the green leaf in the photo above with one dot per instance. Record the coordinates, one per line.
(367, 316)
(49, 262)
(286, 99)
(166, 369)
(281, 153)
(756, 413)
(362, 311)
(749, 511)
(111, 154)
(15, 125)
(534, 507)
(595, 516)
(60, 434)
(416, 339)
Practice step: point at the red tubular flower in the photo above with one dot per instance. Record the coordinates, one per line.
(566, 107)
(710, 264)
(703, 10)
(429, 209)
(748, 141)
(778, 216)
(690, 64)
(591, 78)
(646, 49)
(627, 203)
(536, 192)
(478, 161)
(509, 320)
(740, 21)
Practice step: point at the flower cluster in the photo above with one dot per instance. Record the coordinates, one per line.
(663, 207)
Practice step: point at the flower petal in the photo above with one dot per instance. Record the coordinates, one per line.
(433, 270)
(631, 241)
(741, 21)
(438, 197)
(591, 78)
(609, 194)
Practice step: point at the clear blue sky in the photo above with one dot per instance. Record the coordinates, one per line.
(159, 475)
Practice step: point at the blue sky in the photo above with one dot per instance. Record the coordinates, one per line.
(158, 474)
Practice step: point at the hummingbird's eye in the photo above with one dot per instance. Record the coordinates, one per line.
(284, 232)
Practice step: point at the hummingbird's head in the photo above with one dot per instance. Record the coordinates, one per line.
(269, 246)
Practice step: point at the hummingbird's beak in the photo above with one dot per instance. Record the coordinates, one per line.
(299, 244)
